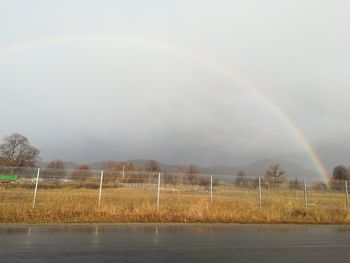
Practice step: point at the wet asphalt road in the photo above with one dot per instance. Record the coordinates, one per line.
(174, 243)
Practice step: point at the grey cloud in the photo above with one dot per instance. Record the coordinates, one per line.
(97, 99)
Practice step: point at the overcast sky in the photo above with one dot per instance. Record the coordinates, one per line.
(97, 80)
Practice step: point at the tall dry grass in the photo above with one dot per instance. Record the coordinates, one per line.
(139, 205)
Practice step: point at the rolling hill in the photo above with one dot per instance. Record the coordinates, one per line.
(224, 172)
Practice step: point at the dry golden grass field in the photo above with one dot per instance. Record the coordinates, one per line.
(119, 205)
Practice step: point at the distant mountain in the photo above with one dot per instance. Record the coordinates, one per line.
(224, 172)
(67, 165)
(257, 169)
(139, 164)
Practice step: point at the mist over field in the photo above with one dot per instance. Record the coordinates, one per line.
(86, 81)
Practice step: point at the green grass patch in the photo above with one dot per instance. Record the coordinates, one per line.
(5, 177)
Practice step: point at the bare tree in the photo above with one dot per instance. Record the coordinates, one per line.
(152, 166)
(82, 173)
(295, 184)
(240, 178)
(275, 174)
(113, 170)
(118, 166)
(190, 173)
(129, 167)
(112, 166)
(54, 169)
(17, 152)
(2, 161)
(56, 164)
(340, 173)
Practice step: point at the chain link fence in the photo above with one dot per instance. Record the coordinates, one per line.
(63, 187)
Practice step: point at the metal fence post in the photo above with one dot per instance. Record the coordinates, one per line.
(305, 195)
(347, 195)
(211, 189)
(260, 193)
(36, 187)
(158, 191)
(100, 193)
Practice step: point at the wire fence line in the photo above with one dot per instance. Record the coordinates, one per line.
(37, 185)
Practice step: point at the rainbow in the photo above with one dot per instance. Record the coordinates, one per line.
(316, 160)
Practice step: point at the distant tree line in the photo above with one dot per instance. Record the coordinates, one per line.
(274, 175)
(125, 172)
(16, 151)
